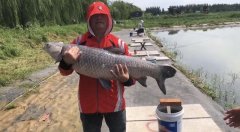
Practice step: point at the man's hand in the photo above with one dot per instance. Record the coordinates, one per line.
(120, 73)
(71, 55)
(233, 117)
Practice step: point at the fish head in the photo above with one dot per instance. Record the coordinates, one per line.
(54, 49)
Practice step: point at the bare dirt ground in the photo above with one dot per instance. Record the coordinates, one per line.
(53, 108)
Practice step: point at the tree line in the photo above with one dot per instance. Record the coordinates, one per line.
(193, 8)
(154, 10)
(44, 12)
(24, 13)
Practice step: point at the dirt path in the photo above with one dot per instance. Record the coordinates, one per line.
(53, 108)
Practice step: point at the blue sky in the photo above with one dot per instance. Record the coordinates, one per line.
(166, 3)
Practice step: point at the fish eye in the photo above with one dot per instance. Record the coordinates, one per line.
(47, 45)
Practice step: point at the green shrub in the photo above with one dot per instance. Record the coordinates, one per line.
(235, 15)
(9, 51)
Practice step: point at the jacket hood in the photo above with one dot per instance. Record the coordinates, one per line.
(99, 8)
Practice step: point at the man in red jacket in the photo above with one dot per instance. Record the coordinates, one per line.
(95, 101)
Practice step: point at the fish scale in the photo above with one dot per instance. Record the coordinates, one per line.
(100, 57)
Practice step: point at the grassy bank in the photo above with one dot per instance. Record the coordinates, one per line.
(21, 50)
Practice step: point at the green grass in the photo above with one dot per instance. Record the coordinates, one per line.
(196, 79)
(21, 49)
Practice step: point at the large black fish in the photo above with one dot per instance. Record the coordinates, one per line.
(97, 63)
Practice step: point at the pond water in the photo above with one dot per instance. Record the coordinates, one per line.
(213, 52)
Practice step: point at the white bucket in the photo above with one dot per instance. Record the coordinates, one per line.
(170, 121)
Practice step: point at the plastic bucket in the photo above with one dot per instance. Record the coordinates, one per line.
(170, 121)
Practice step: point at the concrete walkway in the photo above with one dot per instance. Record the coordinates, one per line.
(177, 87)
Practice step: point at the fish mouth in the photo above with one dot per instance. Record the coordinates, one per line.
(46, 46)
(54, 49)
(51, 44)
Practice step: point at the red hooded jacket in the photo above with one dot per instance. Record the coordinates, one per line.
(93, 98)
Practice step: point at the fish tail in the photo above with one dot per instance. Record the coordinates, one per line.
(166, 71)
(161, 85)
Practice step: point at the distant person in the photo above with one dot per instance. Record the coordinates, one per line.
(233, 117)
(141, 24)
(140, 29)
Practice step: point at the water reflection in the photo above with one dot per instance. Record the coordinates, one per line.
(215, 50)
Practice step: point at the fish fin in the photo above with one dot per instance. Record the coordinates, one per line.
(105, 83)
(115, 50)
(143, 81)
(59, 58)
(161, 85)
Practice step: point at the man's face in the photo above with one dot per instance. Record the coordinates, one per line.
(98, 23)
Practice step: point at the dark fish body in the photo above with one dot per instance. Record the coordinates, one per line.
(97, 63)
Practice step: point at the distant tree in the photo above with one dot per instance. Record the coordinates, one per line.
(163, 11)
(10, 12)
(28, 12)
(124, 10)
(205, 8)
(172, 10)
(136, 14)
(1, 13)
(116, 14)
(153, 10)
